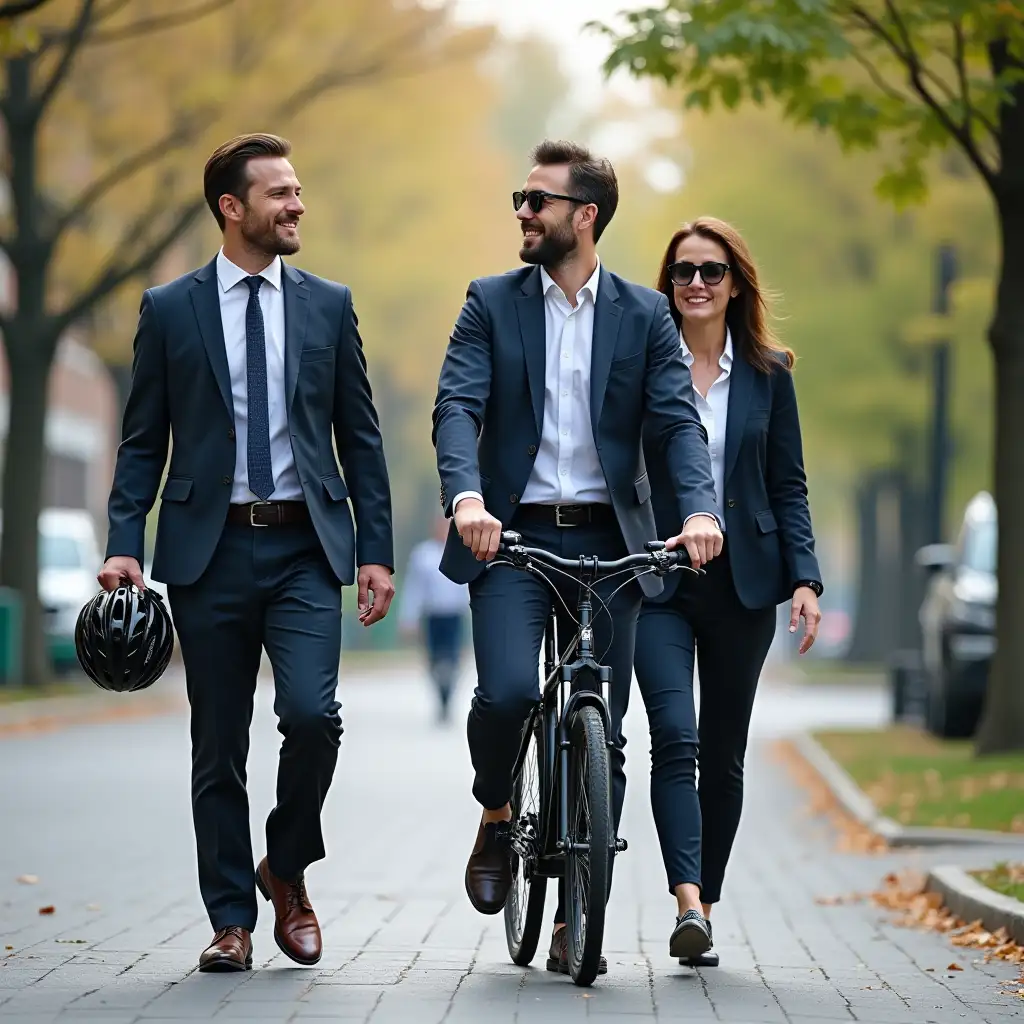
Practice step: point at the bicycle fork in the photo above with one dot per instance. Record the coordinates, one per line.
(567, 701)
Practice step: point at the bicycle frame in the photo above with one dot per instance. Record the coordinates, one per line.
(568, 686)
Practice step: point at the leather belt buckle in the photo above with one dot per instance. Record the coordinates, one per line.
(252, 513)
(569, 510)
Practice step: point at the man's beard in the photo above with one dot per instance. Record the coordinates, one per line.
(265, 239)
(552, 248)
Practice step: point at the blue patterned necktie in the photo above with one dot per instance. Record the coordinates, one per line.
(261, 472)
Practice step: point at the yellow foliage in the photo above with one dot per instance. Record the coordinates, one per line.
(389, 110)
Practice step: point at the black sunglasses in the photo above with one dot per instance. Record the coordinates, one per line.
(682, 273)
(536, 199)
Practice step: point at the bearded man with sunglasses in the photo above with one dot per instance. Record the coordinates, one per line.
(553, 374)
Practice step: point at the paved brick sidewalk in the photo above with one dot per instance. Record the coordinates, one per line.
(101, 815)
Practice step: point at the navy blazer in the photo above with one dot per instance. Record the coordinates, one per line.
(489, 410)
(181, 392)
(770, 544)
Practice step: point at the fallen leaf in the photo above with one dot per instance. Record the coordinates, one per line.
(954, 967)
(929, 968)
(8, 947)
(47, 910)
(28, 879)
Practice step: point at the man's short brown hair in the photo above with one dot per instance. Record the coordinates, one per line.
(592, 179)
(227, 171)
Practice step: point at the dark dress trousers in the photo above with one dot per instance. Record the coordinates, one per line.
(236, 590)
(728, 620)
(488, 419)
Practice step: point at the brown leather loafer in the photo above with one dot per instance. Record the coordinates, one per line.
(296, 930)
(489, 871)
(231, 950)
(558, 954)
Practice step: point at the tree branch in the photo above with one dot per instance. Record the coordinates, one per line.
(20, 7)
(175, 139)
(116, 273)
(148, 26)
(886, 88)
(959, 59)
(345, 72)
(910, 59)
(75, 38)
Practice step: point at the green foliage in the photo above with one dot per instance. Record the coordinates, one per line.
(922, 74)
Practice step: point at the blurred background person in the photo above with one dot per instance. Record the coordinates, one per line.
(434, 608)
(743, 389)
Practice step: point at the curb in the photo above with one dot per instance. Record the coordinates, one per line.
(858, 805)
(972, 901)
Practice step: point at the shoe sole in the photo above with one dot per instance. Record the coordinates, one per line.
(265, 893)
(698, 961)
(689, 942)
(556, 968)
(225, 966)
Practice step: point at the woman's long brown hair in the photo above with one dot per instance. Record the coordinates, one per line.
(747, 313)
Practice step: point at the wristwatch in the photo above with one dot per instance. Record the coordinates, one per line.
(813, 584)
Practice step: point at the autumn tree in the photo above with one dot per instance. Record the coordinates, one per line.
(103, 119)
(911, 78)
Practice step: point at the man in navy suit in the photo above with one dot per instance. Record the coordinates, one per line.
(250, 368)
(551, 375)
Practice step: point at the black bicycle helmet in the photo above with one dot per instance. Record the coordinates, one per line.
(124, 638)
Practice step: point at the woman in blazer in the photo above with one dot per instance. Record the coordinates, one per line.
(744, 392)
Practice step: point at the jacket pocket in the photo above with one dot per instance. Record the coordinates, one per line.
(766, 521)
(177, 488)
(643, 488)
(624, 362)
(335, 488)
(314, 355)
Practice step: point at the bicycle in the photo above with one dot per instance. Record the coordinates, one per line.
(561, 798)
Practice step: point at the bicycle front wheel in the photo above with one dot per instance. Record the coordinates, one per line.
(589, 852)
(525, 904)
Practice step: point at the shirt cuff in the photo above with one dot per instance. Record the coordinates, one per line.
(465, 494)
(710, 515)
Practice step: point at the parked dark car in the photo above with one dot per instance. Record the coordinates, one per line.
(957, 620)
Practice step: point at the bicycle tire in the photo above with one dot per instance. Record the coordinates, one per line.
(587, 872)
(524, 908)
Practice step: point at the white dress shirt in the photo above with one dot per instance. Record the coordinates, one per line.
(234, 298)
(567, 468)
(714, 412)
(426, 591)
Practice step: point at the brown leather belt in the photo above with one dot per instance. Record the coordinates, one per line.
(268, 513)
(567, 515)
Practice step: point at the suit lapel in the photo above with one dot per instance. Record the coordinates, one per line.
(607, 320)
(206, 303)
(296, 313)
(741, 384)
(530, 311)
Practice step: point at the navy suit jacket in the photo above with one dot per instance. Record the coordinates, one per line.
(490, 408)
(181, 392)
(769, 540)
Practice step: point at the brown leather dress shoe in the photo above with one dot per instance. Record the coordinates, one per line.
(489, 871)
(231, 950)
(558, 954)
(296, 930)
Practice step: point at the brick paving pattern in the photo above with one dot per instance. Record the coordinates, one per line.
(101, 815)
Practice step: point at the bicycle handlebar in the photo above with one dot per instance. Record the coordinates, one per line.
(656, 558)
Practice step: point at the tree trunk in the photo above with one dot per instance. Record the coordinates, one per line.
(875, 622)
(1002, 724)
(24, 461)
